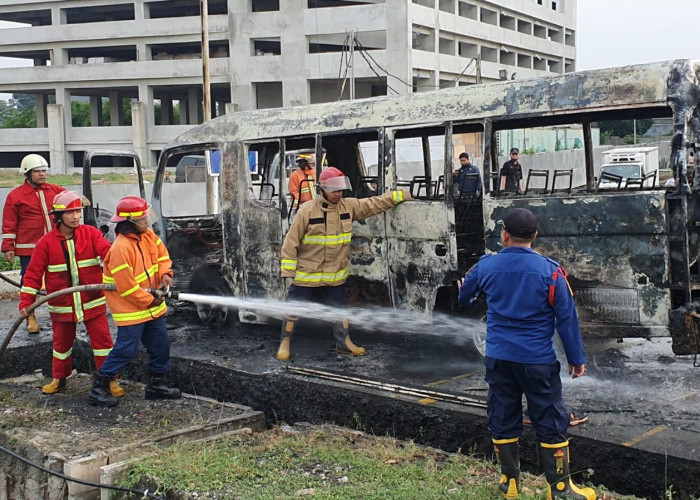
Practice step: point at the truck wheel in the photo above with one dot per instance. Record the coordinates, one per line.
(207, 280)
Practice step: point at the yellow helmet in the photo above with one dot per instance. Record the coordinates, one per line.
(33, 162)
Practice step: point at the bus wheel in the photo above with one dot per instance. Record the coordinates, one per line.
(479, 337)
(207, 280)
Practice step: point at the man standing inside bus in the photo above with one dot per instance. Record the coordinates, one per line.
(528, 296)
(315, 252)
(467, 177)
(302, 182)
(512, 174)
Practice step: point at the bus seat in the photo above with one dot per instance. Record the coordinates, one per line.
(537, 173)
(563, 173)
(611, 178)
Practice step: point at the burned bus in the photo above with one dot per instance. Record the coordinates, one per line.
(631, 249)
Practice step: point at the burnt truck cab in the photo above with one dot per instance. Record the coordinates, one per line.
(631, 251)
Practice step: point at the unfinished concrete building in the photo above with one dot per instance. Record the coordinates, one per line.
(139, 63)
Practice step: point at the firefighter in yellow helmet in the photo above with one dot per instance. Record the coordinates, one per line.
(315, 251)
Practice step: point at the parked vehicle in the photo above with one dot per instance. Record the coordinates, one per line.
(190, 168)
(629, 167)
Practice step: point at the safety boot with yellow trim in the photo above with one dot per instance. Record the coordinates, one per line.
(56, 385)
(115, 389)
(288, 327)
(32, 325)
(343, 344)
(508, 455)
(555, 460)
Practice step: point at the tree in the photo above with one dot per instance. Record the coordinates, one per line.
(18, 112)
(622, 128)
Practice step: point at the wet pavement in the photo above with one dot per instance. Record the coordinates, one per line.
(643, 402)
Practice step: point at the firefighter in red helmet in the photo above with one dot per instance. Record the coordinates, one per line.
(315, 251)
(68, 256)
(138, 260)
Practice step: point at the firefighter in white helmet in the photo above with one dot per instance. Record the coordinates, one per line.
(25, 217)
(315, 251)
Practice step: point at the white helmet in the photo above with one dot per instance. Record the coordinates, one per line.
(33, 162)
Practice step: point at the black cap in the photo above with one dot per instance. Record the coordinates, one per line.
(302, 163)
(514, 151)
(521, 223)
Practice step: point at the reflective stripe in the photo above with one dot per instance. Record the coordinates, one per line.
(107, 279)
(119, 268)
(144, 275)
(159, 241)
(147, 314)
(289, 264)
(88, 262)
(62, 355)
(9, 236)
(45, 211)
(101, 352)
(339, 239)
(94, 303)
(57, 268)
(69, 309)
(164, 257)
(75, 279)
(398, 197)
(25, 245)
(26, 289)
(130, 291)
(130, 214)
(321, 277)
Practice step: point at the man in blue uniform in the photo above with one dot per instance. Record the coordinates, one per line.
(527, 295)
(469, 185)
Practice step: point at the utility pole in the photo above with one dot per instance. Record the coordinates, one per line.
(352, 64)
(478, 68)
(206, 94)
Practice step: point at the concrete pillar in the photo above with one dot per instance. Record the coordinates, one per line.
(96, 119)
(116, 112)
(166, 111)
(194, 106)
(40, 102)
(139, 130)
(140, 10)
(58, 16)
(295, 89)
(143, 53)
(231, 107)
(59, 57)
(57, 138)
(398, 46)
(182, 107)
(146, 97)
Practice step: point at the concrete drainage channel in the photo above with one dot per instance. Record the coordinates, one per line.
(290, 395)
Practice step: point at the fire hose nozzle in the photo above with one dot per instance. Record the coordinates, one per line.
(167, 293)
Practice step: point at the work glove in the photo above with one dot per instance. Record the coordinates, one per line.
(156, 302)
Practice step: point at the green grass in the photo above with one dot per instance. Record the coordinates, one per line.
(9, 266)
(9, 178)
(328, 463)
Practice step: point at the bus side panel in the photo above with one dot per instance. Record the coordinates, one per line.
(369, 266)
(614, 247)
(422, 252)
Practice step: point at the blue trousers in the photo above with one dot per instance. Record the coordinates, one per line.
(155, 339)
(23, 265)
(328, 295)
(541, 385)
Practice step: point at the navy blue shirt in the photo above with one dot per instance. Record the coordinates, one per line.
(520, 321)
(468, 185)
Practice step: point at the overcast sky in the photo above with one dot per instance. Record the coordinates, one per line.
(619, 32)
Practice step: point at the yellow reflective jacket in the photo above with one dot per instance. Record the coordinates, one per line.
(315, 250)
(134, 263)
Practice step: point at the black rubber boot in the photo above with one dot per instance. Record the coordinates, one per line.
(288, 326)
(100, 394)
(343, 344)
(158, 389)
(555, 460)
(508, 455)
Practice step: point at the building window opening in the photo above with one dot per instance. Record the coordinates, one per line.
(265, 5)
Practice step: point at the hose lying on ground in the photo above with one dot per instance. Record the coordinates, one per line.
(30, 309)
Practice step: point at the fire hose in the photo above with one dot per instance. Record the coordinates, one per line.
(158, 293)
(14, 283)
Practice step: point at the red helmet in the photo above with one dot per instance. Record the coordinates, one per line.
(130, 207)
(332, 179)
(68, 200)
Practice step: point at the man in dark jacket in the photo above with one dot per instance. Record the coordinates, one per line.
(467, 177)
(527, 296)
(512, 173)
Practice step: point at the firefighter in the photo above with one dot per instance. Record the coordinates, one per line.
(138, 260)
(315, 251)
(527, 295)
(302, 182)
(25, 217)
(69, 256)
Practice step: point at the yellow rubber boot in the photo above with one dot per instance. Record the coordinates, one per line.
(56, 385)
(32, 325)
(343, 344)
(508, 455)
(115, 389)
(555, 460)
(288, 326)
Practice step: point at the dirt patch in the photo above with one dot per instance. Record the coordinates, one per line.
(66, 423)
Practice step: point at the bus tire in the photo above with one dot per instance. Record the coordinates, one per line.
(208, 280)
